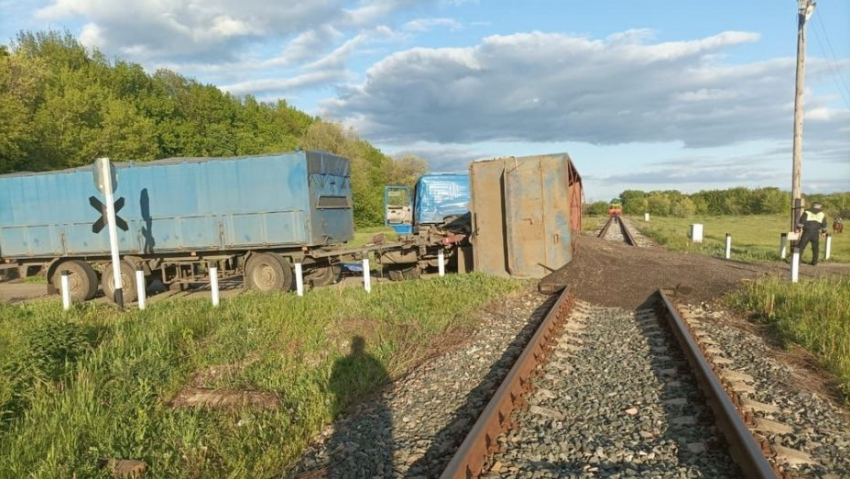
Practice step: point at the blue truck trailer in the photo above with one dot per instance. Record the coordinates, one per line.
(248, 215)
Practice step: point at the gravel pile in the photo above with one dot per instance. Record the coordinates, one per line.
(813, 424)
(414, 427)
(614, 400)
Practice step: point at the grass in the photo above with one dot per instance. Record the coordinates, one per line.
(813, 313)
(363, 236)
(754, 237)
(91, 383)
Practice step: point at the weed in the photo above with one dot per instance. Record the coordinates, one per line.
(105, 380)
(813, 313)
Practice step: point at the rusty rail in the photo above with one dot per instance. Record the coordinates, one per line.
(626, 233)
(481, 441)
(604, 230)
(744, 448)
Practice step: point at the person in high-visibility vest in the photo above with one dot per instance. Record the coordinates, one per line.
(813, 225)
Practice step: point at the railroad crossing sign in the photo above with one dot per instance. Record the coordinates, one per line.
(101, 222)
(106, 181)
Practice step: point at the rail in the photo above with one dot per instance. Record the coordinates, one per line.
(482, 438)
(627, 234)
(743, 447)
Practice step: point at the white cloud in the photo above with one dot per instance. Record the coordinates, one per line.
(215, 31)
(421, 25)
(285, 85)
(544, 87)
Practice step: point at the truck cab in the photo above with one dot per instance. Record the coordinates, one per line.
(437, 199)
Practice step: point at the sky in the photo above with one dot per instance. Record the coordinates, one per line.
(685, 95)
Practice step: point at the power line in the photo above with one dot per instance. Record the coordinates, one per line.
(837, 77)
(834, 61)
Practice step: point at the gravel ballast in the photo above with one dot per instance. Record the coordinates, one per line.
(413, 428)
(814, 425)
(614, 400)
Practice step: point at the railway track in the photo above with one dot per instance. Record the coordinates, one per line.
(625, 234)
(654, 401)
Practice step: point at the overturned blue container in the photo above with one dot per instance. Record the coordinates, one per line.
(441, 195)
(295, 199)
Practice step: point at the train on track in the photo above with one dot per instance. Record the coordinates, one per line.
(257, 216)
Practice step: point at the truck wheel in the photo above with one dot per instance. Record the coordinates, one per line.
(128, 282)
(268, 272)
(82, 279)
(324, 275)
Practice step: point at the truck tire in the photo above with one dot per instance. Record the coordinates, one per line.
(324, 275)
(82, 279)
(128, 282)
(268, 272)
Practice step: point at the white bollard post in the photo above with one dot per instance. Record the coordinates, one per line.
(728, 246)
(795, 265)
(66, 291)
(299, 279)
(214, 285)
(646, 217)
(828, 250)
(367, 278)
(441, 258)
(696, 233)
(141, 290)
(783, 245)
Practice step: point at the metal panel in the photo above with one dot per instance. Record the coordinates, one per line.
(329, 176)
(537, 215)
(488, 235)
(521, 215)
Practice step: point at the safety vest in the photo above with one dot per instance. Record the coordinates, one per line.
(818, 217)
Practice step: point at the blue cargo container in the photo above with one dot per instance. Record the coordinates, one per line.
(436, 197)
(247, 214)
(182, 204)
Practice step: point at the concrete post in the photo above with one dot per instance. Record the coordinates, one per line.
(828, 250)
(441, 259)
(299, 279)
(646, 217)
(141, 290)
(367, 278)
(66, 291)
(795, 265)
(214, 285)
(728, 246)
(696, 233)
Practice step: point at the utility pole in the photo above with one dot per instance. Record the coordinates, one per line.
(806, 8)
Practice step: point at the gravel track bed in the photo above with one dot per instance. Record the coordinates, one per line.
(413, 427)
(615, 234)
(641, 240)
(614, 400)
(818, 427)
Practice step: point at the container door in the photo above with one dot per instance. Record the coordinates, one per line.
(486, 183)
(537, 216)
(398, 209)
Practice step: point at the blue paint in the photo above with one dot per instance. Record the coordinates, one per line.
(439, 196)
(301, 198)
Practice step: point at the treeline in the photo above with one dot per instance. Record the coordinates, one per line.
(733, 201)
(63, 105)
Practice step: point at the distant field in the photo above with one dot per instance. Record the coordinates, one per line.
(754, 238)
(92, 383)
